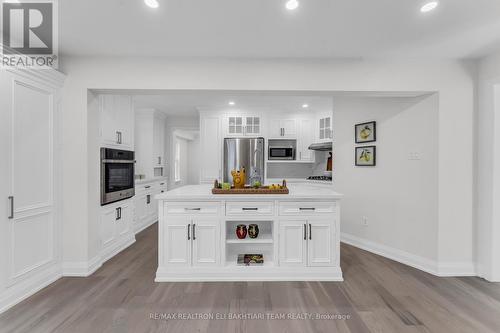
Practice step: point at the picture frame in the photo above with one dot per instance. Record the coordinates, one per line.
(365, 132)
(365, 156)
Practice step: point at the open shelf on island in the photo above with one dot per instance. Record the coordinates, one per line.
(264, 239)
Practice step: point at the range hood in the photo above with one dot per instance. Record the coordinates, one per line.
(323, 146)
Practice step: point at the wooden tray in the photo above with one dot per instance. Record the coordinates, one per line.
(250, 190)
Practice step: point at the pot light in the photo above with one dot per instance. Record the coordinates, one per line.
(305, 106)
(292, 4)
(429, 6)
(231, 103)
(152, 3)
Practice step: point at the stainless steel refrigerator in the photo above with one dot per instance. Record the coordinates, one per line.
(247, 153)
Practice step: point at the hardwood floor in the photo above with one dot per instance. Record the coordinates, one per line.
(378, 295)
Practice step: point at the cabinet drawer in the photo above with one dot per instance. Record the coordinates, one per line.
(306, 208)
(192, 208)
(250, 208)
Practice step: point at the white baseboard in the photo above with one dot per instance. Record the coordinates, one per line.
(144, 226)
(82, 268)
(441, 269)
(22, 290)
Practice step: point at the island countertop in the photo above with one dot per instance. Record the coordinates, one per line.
(204, 192)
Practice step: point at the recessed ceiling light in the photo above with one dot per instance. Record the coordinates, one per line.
(292, 4)
(429, 6)
(305, 106)
(231, 103)
(152, 3)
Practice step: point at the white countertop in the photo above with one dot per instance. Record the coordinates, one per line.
(204, 192)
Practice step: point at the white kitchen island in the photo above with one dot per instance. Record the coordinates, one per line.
(299, 235)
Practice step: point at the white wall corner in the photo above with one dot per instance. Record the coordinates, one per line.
(82, 268)
(418, 262)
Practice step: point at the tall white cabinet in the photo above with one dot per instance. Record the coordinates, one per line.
(211, 147)
(29, 214)
(117, 121)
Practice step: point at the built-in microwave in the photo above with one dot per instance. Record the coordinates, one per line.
(117, 175)
(281, 153)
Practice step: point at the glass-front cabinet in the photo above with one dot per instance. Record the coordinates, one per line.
(243, 125)
(325, 129)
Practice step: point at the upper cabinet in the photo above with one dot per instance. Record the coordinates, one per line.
(243, 124)
(117, 121)
(150, 143)
(324, 128)
(282, 128)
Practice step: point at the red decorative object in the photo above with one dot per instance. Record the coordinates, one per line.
(241, 231)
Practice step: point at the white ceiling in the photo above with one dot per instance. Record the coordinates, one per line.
(264, 29)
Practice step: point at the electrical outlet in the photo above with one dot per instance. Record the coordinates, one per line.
(364, 221)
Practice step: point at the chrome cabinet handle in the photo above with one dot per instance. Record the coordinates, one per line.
(194, 231)
(11, 199)
(162, 183)
(192, 208)
(118, 213)
(251, 208)
(305, 231)
(118, 137)
(147, 186)
(310, 232)
(189, 227)
(148, 199)
(307, 208)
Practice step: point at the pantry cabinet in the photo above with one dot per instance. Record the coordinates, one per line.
(304, 140)
(117, 121)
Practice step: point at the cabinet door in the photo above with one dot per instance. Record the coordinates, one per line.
(325, 129)
(210, 149)
(275, 129)
(158, 141)
(140, 210)
(124, 120)
(124, 220)
(305, 139)
(252, 125)
(109, 129)
(151, 208)
(289, 128)
(206, 241)
(235, 125)
(292, 242)
(320, 247)
(177, 241)
(108, 223)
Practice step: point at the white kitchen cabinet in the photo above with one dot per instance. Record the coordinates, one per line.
(205, 234)
(30, 205)
(146, 206)
(115, 225)
(210, 148)
(117, 121)
(298, 236)
(320, 242)
(304, 140)
(192, 241)
(324, 128)
(150, 142)
(243, 124)
(282, 128)
(308, 242)
(178, 242)
(292, 242)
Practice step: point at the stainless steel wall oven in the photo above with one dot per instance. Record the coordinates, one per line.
(117, 175)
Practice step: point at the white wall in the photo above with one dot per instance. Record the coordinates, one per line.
(173, 123)
(399, 196)
(488, 168)
(452, 79)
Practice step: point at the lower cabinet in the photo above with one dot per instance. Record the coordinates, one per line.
(192, 241)
(146, 206)
(307, 242)
(115, 224)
